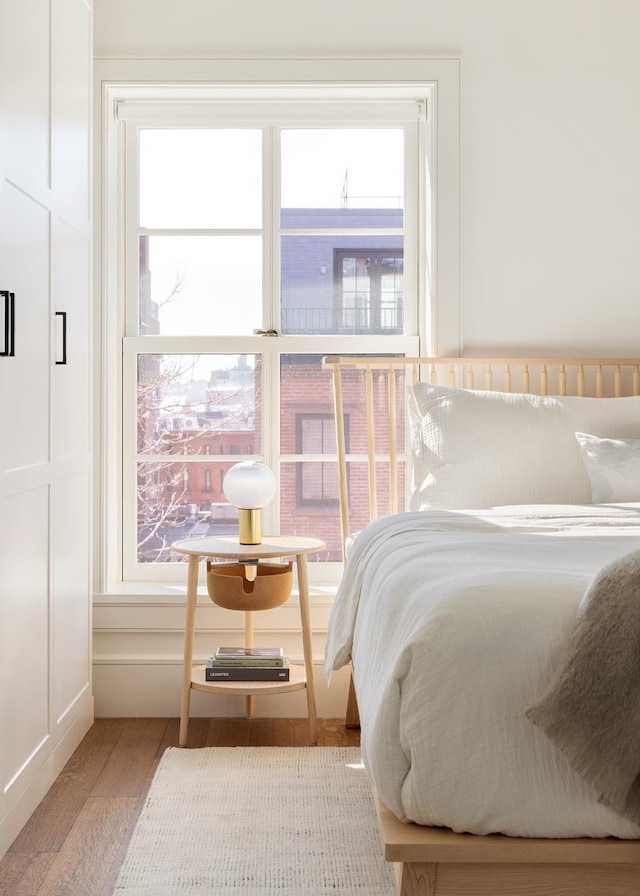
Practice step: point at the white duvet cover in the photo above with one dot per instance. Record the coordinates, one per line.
(455, 622)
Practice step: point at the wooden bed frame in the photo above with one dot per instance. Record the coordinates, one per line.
(438, 862)
(433, 861)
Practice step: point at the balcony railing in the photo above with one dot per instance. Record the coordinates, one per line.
(320, 321)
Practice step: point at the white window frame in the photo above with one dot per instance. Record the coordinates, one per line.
(439, 265)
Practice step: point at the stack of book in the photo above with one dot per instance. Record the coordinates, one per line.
(247, 664)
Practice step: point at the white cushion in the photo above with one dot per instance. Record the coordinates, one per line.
(613, 467)
(473, 449)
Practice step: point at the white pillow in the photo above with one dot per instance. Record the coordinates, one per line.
(481, 449)
(613, 467)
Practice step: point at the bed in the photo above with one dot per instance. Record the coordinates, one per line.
(501, 527)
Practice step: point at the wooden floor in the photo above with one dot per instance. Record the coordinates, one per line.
(74, 843)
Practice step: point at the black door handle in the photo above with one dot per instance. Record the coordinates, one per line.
(63, 315)
(9, 349)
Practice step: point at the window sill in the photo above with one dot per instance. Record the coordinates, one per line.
(149, 593)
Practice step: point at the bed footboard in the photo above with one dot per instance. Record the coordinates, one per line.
(439, 862)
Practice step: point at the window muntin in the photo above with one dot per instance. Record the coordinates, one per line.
(176, 311)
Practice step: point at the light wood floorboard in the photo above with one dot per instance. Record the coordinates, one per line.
(75, 841)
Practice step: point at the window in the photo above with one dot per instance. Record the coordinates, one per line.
(316, 481)
(369, 291)
(257, 236)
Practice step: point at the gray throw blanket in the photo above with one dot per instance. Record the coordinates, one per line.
(591, 710)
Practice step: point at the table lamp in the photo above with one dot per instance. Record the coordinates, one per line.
(249, 485)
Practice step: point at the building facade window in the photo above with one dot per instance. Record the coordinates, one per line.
(317, 481)
(369, 290)
(258, 236)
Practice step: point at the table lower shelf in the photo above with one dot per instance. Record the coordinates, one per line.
(297, 681)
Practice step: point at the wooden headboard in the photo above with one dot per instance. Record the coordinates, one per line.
(375, 387)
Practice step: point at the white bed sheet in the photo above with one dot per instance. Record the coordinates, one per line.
(455, 622)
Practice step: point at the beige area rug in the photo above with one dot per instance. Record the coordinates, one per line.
(257, 821)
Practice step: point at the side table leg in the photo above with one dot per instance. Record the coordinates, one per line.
(248, 642)
(305, 618)
(189, 630)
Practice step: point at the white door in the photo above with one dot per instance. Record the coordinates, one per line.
(70, 367)
(45, 617)
(25, 470)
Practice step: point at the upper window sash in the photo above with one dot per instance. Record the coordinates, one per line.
(415, 211)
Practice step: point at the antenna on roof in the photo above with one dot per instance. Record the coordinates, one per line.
(345, 189)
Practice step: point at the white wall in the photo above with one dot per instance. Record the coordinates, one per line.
(550, 140)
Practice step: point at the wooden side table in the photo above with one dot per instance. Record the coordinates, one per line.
(229, 548)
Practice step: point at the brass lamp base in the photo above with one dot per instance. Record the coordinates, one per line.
(250, 525)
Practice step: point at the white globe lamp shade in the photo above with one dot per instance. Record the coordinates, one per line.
(249, 485)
